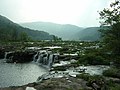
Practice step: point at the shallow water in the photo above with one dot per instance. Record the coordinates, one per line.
(19, 74)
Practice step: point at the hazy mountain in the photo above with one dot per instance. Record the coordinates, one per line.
(90, 33)
(7, 27)
(65, 31)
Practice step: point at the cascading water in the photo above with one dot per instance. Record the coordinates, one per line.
(8, 56)
(50, 60)
(5, 55)
(44, 57)
(35, 56)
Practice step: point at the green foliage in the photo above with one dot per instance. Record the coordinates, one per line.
(56, 29)
(90, 79)
(111, 85)
(55, 38)
(23, 36)
(112, 72)
(99, 80)
(114, 86)
(64, 50)
(83, 76)
(111, 17)
(10, 31)
(94, 57)
(90, 34)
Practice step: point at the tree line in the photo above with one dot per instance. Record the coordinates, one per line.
(13, 35)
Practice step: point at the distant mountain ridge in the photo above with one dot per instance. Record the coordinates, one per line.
(65, 31)
(39, 30)
(89, 34)
(7, 27)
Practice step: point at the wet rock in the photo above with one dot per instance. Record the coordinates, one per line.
(19, 57)
(2, 52)
(22, 57)
(95, 86)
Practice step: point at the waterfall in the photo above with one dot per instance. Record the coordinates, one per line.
(5, 57)
(50, 60)
(44, 57)
(35, 56)
(8, 57)
(40, 58)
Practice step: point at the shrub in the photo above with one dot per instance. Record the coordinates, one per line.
(92, 59)
(112, 72)
(115, 87)
(83, 76)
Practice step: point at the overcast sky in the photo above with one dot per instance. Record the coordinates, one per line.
(77, 12)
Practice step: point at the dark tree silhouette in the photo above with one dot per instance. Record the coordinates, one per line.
(110, 18)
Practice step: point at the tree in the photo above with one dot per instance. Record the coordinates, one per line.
(14, 35)
(110, 18)
(55, 38)
(23, 36)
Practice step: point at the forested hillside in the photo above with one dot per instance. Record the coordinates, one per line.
(90, 34)
(10, 31)
(65, 31)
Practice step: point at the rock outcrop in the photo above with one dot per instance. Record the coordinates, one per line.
(19, 56)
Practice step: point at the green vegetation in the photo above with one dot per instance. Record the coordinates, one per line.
(89, 34)
(95, 56)
(100, 81)
(111, 39)
(24, 37)
(83, 76)
(112, 72)
(16, 38)
(90, 78)
(66, 31)
(111, 35)
(113, 86)
(92, 59)
(10, 31)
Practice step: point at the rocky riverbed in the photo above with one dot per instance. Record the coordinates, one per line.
(62, 72)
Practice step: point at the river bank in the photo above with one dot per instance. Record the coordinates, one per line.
(64, 83)
(81, 82)
(71, 65)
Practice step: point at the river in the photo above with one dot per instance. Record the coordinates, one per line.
(12, 74)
